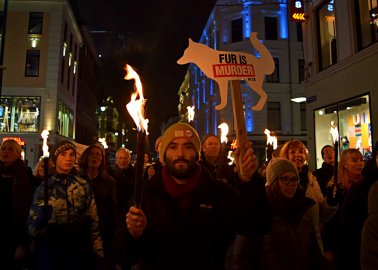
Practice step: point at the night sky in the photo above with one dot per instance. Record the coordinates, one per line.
(149, 35)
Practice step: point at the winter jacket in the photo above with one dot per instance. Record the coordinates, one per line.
(195, 237)
(16, 193)
(320, 212)
(222, 171)
(105, 196)
(353, 213)
(125, 179)
(72, 236)
(369, 238)
(323, 175)
(288, 240)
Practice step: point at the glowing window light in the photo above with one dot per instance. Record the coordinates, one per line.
(34, 42)
(64, 48)
(75, 67)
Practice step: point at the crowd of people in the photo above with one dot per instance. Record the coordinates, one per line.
(195, 210)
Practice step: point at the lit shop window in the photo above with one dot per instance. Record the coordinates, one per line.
(367, 22)
(65, 120)
(352, 119)
(19, 114)
(327, 34)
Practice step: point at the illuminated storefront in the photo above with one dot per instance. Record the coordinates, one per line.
(352, 118)
(341, 56)
(65, 120)
(19, 114)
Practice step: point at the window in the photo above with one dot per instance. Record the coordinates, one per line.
(301, 76)
(1, 21)
(274, 115)
(352, 117)
(299, 32)
(65, 33)
(32, 63)
(62, 71)
(68, 78)
(19, 114)
(65, 120)
(73, 85)
(327, 34)
(237, 30)
(271, 31)
(35, 22)
(367, 22)
(275, 76)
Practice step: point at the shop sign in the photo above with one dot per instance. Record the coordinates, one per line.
(297, 11)
(310, 99)
(20, 141)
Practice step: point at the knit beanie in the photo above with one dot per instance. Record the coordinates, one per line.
(277, 167)
(60, 147)
(179, 130)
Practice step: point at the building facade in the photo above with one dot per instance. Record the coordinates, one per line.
(40, 80)
(228, 29)
(341, 58)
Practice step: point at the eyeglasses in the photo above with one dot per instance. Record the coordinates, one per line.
(288, 180)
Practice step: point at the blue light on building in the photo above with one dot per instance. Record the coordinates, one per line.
(198, 98)
(249, 120)
(283, 22)
(247, 19)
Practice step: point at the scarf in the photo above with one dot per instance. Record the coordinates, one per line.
(181, 192)
(291, 210)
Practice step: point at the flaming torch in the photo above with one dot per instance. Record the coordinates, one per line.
(224, 131)
(190, 113)
(271, 145)
(136, 109)
(46, 154)
(103, 143)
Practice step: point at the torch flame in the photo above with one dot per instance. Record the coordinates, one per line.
(334, 132)
(103, 142)
(45, 147)
(224, 131)
(136, 106)
(190, 113)
(234, 144)
(272, 140)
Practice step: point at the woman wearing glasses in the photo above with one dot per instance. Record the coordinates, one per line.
(321, 211)
(287, 239)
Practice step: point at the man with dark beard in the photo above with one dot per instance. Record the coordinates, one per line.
(187, 219)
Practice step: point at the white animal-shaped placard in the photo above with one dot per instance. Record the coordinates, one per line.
(223, 66)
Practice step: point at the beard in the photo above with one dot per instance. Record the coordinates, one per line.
(181, 172)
